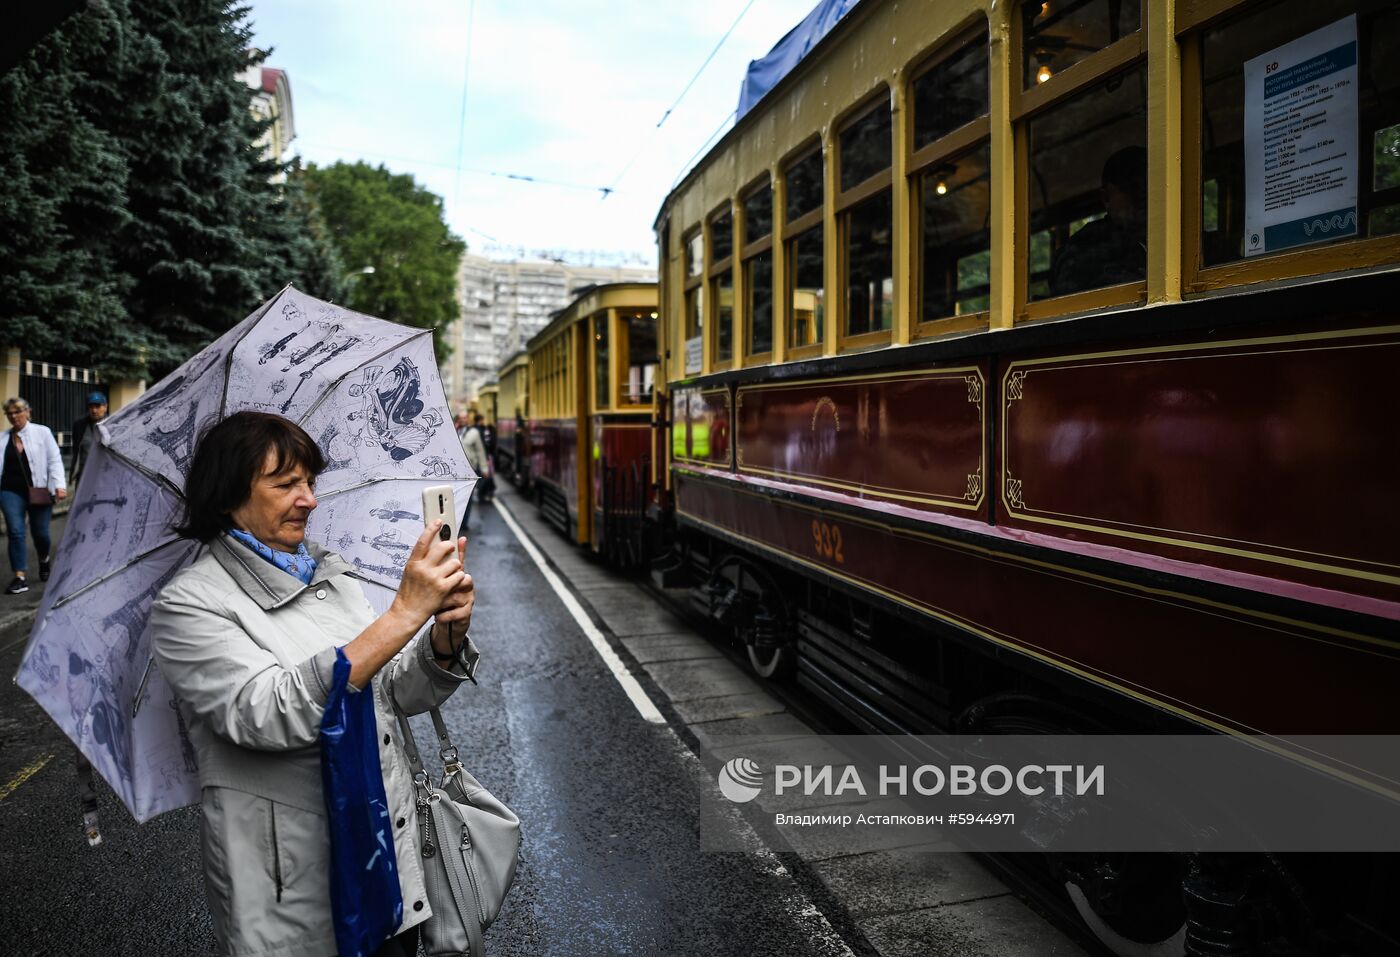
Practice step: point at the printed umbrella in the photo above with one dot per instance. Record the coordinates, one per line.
(366, 390)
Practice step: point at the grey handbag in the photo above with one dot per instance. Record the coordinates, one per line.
(471, 842)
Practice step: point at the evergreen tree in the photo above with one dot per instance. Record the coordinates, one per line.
(188, 247)
(64, 202)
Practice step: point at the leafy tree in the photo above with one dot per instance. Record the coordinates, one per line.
(389, 223)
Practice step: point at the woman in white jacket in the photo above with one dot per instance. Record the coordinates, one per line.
(32, 472)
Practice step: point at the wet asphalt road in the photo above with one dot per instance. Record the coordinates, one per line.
(610, 860)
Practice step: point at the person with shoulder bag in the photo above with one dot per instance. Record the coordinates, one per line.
(260, 639)
(31, 479)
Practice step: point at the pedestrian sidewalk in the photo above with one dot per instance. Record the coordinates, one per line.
(904, 902)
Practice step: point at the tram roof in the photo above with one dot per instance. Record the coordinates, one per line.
(590, 299)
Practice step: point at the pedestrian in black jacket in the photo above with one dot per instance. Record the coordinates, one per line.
(84, 434)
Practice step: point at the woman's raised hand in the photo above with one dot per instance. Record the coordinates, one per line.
(434, 571)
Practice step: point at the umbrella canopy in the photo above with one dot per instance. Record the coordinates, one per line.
(366, 390)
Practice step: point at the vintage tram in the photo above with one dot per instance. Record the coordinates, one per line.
(512, 413)
(1012, 354)
(591, 385)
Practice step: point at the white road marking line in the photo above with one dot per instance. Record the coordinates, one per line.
(600, 644)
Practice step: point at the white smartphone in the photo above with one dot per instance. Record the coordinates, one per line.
(438, 504)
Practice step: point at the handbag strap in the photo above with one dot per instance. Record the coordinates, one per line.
(448, 751)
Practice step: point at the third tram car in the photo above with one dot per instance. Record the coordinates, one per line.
(592, 376)
(1014, 385)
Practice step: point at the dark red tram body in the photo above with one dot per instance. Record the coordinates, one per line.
(1161, 518)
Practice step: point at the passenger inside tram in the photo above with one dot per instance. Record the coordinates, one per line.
(1112, 249)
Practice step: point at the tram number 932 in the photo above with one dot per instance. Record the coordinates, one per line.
(826, 538)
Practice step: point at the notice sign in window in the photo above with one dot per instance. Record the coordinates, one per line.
(1300, 120)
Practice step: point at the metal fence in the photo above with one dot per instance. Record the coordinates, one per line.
(58, 395)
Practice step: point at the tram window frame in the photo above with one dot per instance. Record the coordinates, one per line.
(1194, 20)
(1118, 58)
(941, 152)
(748, 254)
(716, 271)
(846, 204)
(793, 229)
(692, 300)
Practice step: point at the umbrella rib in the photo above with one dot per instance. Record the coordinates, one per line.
(116, 571)
(336, 384)
(391, 478)
(228, 357)
(150, 474)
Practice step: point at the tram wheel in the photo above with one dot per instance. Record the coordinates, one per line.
(744, 597)
(1151, 885)
(1131, 903)
(772, 663)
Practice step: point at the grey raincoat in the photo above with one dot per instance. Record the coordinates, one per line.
(248, 650)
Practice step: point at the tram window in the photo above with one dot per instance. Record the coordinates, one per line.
(807, 313)
(694, 255)
(804, 186)
(956, 255)
(865, 146)
(722, 288)
(758, 288)
(694, 311)
(722, 283)
(758, 214)
(1088, 187)
(869, 265)
(693, 318)
(952, 94)
(721, 237)
(641, 358)
(1224, 51)
(602, 386)
(1056, 34)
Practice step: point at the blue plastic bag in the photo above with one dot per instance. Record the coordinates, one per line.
(365, 899)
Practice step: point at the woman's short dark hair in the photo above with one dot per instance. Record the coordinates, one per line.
(229, 458)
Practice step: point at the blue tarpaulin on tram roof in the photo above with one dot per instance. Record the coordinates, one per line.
(764, 74)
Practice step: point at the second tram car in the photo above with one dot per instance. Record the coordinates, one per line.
(592, 378)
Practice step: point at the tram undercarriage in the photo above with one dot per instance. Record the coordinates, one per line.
(879, 668)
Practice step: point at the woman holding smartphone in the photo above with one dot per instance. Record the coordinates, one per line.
(247, 638)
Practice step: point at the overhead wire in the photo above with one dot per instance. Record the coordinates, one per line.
(646, 141)
(470, 171)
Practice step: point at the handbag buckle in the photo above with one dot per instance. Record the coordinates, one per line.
(424, 786)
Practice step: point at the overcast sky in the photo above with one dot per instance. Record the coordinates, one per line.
(562, 90)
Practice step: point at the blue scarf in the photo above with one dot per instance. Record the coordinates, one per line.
(299, 565)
